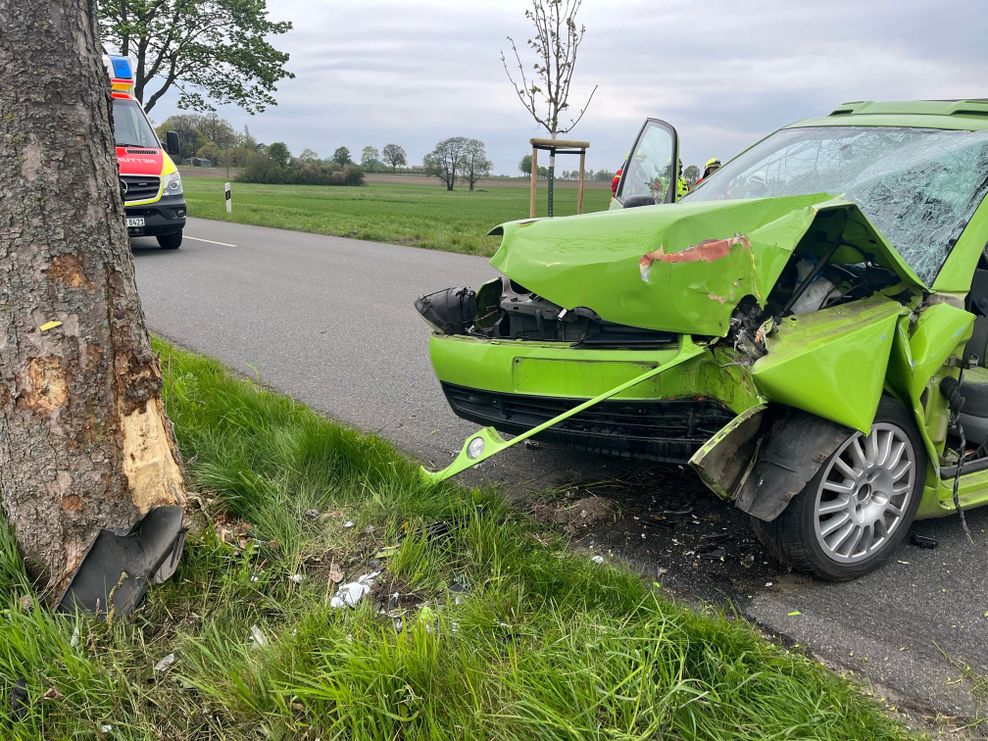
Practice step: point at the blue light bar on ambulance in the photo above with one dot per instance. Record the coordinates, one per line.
(121, 71)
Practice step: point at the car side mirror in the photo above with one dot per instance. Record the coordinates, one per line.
(635, 201)
(171, 143)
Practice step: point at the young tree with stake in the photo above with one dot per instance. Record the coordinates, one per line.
(545, 93)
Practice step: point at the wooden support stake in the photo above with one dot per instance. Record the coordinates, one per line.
(579, 187)
(535, 182)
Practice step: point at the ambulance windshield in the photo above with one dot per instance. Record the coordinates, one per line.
(131, 127)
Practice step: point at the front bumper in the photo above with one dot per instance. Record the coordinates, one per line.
(517, 385)
(165, 216)
(663, 430)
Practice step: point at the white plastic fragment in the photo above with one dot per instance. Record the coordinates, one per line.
(166, 662)
(348, 595)
(74, 640)
(597, 559)
(258, 635)
(297, 578)
(348, 524)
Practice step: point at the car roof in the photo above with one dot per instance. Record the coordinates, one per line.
(970, 115)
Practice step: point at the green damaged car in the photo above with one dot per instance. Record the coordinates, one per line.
(807, 329)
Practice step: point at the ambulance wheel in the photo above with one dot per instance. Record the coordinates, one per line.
(170, 241)
(856, 510)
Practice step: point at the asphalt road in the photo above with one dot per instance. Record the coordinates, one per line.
(330, 322)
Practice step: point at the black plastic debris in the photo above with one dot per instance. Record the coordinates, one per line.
(18, 699)
(714, 554)
(118, 568)
(923, 541)
(676, 505)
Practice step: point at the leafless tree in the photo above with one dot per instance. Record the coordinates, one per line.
(545, 94)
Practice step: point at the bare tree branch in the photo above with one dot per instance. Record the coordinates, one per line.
(555, 43)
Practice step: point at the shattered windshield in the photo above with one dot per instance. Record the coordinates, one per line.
(919, 187)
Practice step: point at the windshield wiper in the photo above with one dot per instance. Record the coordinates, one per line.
(138, 146)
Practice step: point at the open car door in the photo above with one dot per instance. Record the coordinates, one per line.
(649, 174)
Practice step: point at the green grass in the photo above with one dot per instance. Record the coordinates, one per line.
(413, 214)
(506, 632)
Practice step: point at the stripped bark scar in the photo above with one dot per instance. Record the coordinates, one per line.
(152, 472)
(67, 269)
(41, 387)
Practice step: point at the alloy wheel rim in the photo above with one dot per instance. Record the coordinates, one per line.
(864, 494)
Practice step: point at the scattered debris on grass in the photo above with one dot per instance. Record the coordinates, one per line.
(257, 635)
(165, 662)
(348, 595)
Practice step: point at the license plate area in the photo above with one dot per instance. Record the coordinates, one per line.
(135, 222)
(581, 379)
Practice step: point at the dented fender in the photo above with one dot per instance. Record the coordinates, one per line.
(832, 362)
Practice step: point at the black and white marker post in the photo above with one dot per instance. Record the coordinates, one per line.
(229, 198)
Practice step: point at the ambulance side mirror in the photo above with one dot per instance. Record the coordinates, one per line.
(171, 143)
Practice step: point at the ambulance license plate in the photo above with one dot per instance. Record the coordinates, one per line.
(135, 222)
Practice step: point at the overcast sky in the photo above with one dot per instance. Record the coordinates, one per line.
(723, 72)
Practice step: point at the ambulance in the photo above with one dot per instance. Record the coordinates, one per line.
(149, 181)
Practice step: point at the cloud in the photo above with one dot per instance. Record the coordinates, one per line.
(723, 72)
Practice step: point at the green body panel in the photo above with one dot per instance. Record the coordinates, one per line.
(938, 500)
(939, 332)
(831, 363)
(918, 364)
(492, 365)
(595, 261)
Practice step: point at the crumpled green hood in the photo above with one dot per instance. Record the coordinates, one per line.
(679, 267)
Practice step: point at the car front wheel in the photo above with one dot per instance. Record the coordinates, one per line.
(858, 507)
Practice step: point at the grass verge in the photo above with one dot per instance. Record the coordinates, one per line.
(480, 625)
(412, 214)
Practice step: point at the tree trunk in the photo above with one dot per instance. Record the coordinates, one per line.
(84, 440)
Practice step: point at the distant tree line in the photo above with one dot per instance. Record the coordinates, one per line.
(275, 164)
(207, 139)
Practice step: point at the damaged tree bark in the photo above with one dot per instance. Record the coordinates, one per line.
(84, 440)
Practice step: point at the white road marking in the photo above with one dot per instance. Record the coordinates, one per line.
(200, 239)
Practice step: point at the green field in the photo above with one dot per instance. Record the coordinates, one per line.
(413, 214)
(481, 624)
